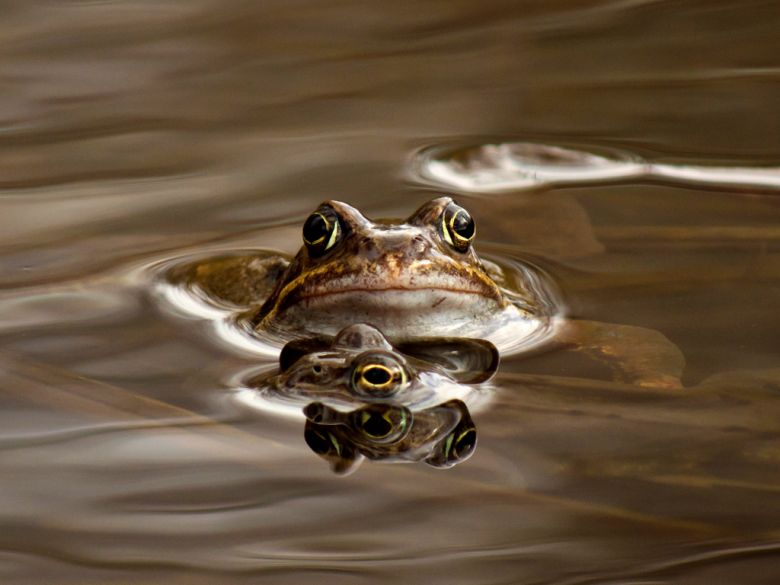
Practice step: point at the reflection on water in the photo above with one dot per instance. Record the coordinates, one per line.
(442, 435)
(523, 166)
(376, 401)
(136, 136)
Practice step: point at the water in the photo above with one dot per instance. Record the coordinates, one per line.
(140, 133)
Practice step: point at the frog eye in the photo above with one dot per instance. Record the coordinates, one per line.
(321, 231)
(462, 444)
(378, 374)
(456, 447)
(382, 423)
(457, 227)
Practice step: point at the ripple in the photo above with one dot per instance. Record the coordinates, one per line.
(710, 558)
(184, 299)
(758, 178)
(527, 166)
(524, 166)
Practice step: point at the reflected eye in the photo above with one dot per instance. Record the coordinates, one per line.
(321, 231)
(382, 423)
(457, 227)
(462, 444)
(321, 442)
(456, 447)
(379, 374)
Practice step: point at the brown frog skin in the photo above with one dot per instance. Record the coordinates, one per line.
(409, 279)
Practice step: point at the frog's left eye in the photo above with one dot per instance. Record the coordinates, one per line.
(321, 231)
(457, 227)
(378, 374)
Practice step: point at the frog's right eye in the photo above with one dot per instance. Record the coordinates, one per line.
(321, 231)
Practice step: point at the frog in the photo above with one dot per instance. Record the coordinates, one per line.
(418, 277)
(407, 278)
(443, 435)
(414, 278)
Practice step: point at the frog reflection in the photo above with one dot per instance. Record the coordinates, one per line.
(442, 436)
(359, 366)
(365, 398)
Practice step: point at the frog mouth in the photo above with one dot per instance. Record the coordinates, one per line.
(382, 292)
(386, 289)
(385, 303)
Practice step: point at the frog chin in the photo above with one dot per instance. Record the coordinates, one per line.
(397, 312)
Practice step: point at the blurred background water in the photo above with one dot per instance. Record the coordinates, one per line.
(133, 133)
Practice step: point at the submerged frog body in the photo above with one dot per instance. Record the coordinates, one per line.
(442, 435)
(360, 366)
(409, 279)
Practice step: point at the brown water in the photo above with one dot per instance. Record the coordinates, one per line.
(133, 133)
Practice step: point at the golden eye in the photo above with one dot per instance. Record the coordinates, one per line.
(321, 231)
(379, 374)
(457, 227)
(382, 423)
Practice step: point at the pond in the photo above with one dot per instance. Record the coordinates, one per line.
(626, 152)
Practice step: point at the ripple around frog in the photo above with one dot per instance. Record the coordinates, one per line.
(518, 328)
(493, 168)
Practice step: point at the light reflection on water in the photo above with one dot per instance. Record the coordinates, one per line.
(134, 134)
(522, 166)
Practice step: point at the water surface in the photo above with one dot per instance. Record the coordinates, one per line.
(139, 133)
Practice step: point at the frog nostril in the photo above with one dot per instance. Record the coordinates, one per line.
(419, 245)
(367, 247)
